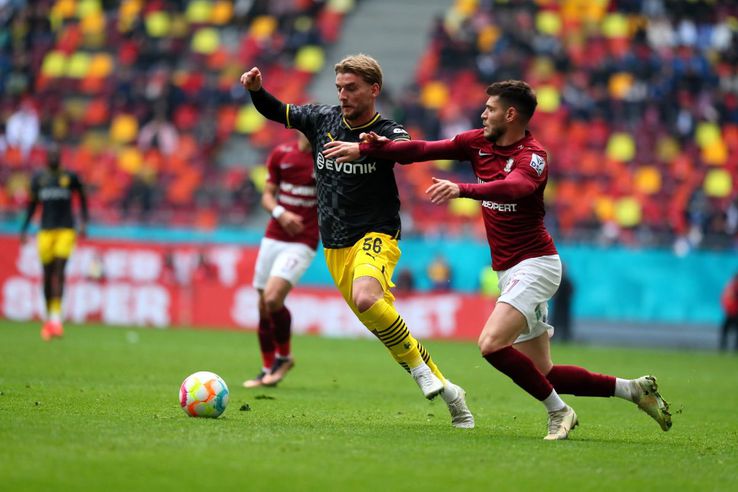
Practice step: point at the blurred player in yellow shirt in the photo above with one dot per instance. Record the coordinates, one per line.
(53, 187)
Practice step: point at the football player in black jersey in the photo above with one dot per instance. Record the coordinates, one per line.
(53, 188)
(358, 211)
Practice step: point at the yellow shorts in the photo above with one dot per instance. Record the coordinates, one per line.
(374, 255)
(55, 243)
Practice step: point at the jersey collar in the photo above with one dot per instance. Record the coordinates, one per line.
(365, 125)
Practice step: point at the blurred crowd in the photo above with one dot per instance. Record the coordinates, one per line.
(144, 97)
(638, 106)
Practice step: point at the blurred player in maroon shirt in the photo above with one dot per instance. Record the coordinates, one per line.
(512, 170)
(286, 251)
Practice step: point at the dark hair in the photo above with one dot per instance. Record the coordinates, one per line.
(517, 94)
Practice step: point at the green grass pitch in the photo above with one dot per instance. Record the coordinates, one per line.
(98, 410)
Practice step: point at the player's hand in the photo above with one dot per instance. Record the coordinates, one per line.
(82, 231)
(442, 190)
(341, 151)
(373, 139)
(23, 237)
(251, 80)
(291, 223)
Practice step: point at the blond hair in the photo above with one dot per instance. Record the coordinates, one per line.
(362, 65)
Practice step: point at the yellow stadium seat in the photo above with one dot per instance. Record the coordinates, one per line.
(78, 65)
(123, 129)
(648, 180)
(93, 23)
(434, 95)
(549, 99)
(130, 7)
(206, 41)
(548, 22)
(199, 11)
(628, 212)
(54, 64)
(64, 9)
(101, 65)
(620, 84)
(621, 147)
(715, 154)
(249, 120)
(604, 209)
(310, 59)
(158, 24)
(128, 14)
(130, 160)
(466, 7)
(615, 26)
(221, 13)
(263, 26)
(487, 38)
(707, 133)
(88, 7)
(718, 183)
(258, 176)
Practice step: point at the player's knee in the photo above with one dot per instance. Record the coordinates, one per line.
(273, 302)
(364, 300)
(489, 343)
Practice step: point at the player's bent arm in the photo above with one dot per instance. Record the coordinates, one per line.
(407, 151)
(515, 186)
(269, 106)
(269, 198)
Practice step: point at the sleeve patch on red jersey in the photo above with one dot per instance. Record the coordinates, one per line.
(537, 163)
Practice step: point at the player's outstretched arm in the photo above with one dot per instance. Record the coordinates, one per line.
(265, 103)
(403, 152)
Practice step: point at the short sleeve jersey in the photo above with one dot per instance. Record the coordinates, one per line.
(354, 198)
(515, 230)
(54, 191)
(291, 171)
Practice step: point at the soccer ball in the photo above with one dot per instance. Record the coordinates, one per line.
(203, 394)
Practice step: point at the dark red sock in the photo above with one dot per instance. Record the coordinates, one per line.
(518, 367)
(574, 380)
(282, 330)
(266, 341)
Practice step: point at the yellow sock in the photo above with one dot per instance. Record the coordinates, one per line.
(54, 309)
(385, 322)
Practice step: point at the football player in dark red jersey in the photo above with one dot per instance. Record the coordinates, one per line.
(512, 170)
(286, 251)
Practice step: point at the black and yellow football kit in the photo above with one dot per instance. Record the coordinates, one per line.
(54, 190)
(358, 214)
